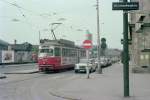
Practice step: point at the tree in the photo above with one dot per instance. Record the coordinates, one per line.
(103, 46)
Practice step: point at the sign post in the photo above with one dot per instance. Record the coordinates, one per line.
(87, 67)
(125, 6)
(87, 44)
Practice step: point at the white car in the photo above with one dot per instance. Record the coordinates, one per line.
(81, 67)
(103, 62)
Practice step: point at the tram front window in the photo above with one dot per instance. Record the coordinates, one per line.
(46, 52)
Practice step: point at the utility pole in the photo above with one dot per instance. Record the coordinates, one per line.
(39, 37)
(125, 52)
(99, 70)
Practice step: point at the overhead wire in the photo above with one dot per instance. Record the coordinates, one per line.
(22, 9)
(27, 10)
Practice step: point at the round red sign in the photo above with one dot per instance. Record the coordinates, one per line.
(87, 44)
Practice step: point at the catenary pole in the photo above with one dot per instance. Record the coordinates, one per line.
(99, 70)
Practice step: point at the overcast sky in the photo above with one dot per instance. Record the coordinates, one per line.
(23, 19)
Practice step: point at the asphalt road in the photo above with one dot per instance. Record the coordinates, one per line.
(37, 86)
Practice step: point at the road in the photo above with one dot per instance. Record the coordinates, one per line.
(37, 86)
(67, 85)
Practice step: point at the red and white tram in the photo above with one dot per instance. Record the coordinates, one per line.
(58, 54)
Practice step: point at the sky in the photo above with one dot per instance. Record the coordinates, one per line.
(23, 20)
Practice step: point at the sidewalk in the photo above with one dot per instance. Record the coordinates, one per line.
(106, 86)
(19, 69)
(30, 71)
(17, 65)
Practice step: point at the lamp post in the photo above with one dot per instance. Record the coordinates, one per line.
(39, 37)
(99, 70)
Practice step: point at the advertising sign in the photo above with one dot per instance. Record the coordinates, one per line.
(7, 56)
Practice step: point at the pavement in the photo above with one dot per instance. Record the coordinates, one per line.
(106, 86)
(29, 71)
(19, 69)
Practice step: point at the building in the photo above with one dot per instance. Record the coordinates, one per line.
(24, 52)
(139, 26)
(3, 45)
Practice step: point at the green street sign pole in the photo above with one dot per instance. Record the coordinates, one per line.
(125, 53)
(125, 6)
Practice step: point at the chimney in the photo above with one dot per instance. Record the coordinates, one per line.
(15, 41)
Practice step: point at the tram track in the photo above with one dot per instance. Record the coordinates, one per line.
(28, 78)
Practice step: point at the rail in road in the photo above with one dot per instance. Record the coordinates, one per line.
(28, 77)
(29, 86)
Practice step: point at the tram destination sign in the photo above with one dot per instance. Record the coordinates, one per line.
(125, 5)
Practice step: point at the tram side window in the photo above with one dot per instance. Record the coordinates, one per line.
(63, 52)
(82, 54)
(73, 53)
(57, 51)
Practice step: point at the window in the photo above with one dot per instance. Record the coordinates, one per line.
(46, 52)
(57, 51)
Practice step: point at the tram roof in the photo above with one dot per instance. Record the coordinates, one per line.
(58, 42)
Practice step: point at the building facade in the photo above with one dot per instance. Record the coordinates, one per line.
(139, 26)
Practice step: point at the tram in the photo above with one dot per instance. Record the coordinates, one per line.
(58, 54)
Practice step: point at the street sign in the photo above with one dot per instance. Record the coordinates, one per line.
(87, 44)
(125, 5)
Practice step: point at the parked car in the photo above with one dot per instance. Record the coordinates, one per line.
(82, 65)
(109, 62)
(103, 62)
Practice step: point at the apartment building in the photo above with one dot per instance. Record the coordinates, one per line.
(139, 27)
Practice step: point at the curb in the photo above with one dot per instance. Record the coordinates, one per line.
(16, 65)
(56, 94)
(2, 76)
(32, 72)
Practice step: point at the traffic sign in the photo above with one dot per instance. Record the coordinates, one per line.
(87, 44)
(125, 5)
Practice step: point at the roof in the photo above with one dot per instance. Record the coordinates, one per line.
(21, 47)
(59, 42)
(3, 42)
